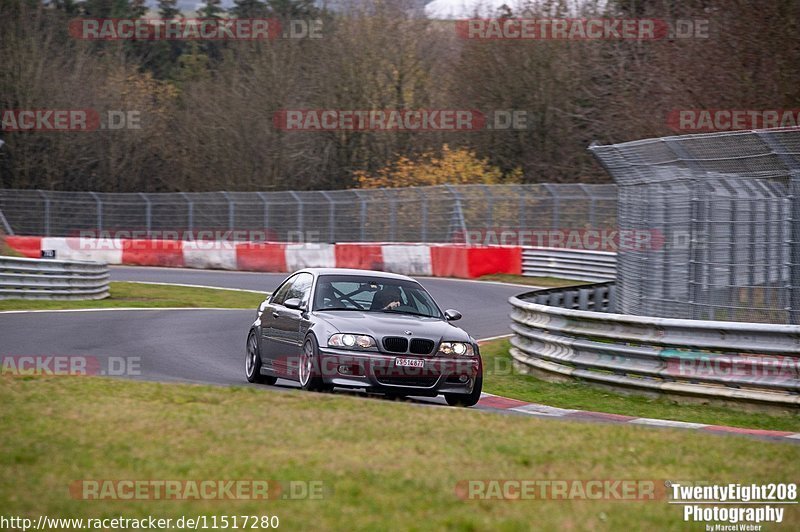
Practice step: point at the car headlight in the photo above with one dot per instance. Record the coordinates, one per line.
(351, 341)
(460, 349)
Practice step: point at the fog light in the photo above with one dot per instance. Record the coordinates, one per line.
(345, 370)
(463, 378)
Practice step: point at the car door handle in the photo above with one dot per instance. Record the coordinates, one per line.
(276, 315)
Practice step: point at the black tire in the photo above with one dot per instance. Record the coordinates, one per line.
(467, 399)
(308, 371)
(252, 362)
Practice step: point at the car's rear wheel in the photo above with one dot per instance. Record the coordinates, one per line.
(309, 369)
(467, 399)
(252, 362)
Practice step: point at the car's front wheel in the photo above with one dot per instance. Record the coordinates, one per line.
(467, 399)
(308, 371)
(252, 362)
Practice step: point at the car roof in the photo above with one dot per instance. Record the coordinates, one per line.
(353, 271)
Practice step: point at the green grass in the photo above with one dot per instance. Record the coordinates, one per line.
(142, 295)
(500, 379)
(542, 282)
(384, 465)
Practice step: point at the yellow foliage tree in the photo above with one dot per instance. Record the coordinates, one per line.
(457, 167)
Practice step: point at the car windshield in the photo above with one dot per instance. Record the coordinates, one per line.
(373, 294)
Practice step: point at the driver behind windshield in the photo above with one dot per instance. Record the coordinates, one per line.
(386, 299)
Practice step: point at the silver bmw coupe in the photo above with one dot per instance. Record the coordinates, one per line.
(333, 327)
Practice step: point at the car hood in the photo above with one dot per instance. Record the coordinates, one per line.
(380, 324)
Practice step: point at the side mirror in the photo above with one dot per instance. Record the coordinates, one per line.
(294, 303)
(452, 315)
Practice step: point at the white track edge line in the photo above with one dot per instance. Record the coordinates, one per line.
(195, 286)
(115, 309)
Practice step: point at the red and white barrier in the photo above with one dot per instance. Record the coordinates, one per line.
(261, 256)
(440, 260)
(299, 256)
(153, 253)
(29, 246)
(108, 250)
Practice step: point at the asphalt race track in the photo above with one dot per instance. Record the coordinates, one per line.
(207, 346)
(484, 305)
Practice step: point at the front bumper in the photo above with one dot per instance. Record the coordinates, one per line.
(378, 372)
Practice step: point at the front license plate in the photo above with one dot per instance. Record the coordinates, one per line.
(409, 363)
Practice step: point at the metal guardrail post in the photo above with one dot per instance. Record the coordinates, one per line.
(592, 204)
(46, 200)
(231, 211)
(457, 216)
(331, 217)
(148, 213)
(363, 216)
(392, 217)
(487, 193)
(423, 199)
(263, 198)
(299, 201)
(556, 218)
(189, 212)
(99, 202)
(6, 226)
(392, 214)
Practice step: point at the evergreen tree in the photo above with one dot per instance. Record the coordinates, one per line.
(138, 8)
(250, 9)
(293, 9)
(211, 9)
(168, 9)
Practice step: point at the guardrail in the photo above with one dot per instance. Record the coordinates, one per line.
(22, 278)
(580, 265)
(567, 333)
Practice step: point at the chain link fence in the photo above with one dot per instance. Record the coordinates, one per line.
(734, 200)
(475, 213)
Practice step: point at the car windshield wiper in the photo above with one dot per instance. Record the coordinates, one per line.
(340, 308)
(410, 313)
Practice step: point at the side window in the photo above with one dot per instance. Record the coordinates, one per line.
(280, 294)
(301, 287)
